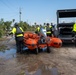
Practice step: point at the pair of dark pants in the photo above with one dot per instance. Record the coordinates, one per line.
(19, 43)
(74, 37)
(73, 34)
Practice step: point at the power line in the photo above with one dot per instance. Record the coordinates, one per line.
(7, 12)
(17, 3)
(10, 8)
(12, 16)
(20, 14)
(5, 4)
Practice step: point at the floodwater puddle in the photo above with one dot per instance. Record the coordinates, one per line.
(44, 70)
(25, 64)
(8, 54)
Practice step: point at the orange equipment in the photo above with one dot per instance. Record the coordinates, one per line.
(55, 42)
(35, 43)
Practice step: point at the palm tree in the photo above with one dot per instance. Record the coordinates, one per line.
(35, 23)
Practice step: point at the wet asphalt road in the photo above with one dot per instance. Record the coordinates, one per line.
(61, 61)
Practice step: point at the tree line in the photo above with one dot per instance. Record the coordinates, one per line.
(5, 26)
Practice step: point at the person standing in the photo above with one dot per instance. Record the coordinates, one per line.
(37, 31)
(74, 30)
(49, 31)
(18, 32)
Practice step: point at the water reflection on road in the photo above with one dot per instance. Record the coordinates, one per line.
(8, 54)
(23, 64)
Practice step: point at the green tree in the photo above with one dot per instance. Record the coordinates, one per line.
(7, 25)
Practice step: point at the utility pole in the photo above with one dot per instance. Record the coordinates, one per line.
(20, 14)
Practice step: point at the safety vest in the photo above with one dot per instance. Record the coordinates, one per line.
(48, 29)
(16, 32)
(38, 29)
(74, 27)
(44, 27)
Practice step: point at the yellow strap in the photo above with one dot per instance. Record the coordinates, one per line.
(19, 35)
(48, 32)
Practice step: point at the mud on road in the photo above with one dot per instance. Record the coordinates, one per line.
(63, 59)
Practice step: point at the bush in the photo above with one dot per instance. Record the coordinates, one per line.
(0, 34)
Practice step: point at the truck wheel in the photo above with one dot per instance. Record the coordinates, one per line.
(48, 49)
(75, 43)
(36, 51)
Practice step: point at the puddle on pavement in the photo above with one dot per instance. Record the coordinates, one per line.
(21, 59)
(8, 54)
(43, 70)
